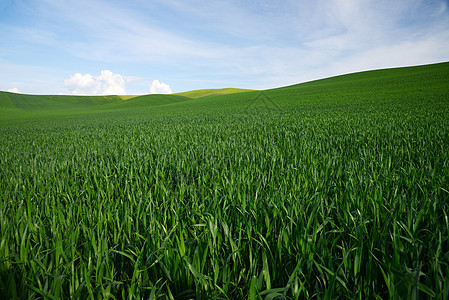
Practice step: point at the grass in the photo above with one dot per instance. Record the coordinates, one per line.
(336, 188)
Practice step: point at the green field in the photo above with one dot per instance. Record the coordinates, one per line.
(336, 188)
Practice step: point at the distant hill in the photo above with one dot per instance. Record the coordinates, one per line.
(14, 105)
(378, 87)
(210, 92)
(51, 102)
(145, 101)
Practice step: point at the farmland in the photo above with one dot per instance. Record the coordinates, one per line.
(332, 188)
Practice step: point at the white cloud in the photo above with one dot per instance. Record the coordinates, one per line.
(160, 88)
(107, 83)
(14, 90)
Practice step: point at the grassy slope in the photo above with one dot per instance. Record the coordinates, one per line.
(13, 106)
(41, 103)
(127, 97)
(211, 92)
(141, 102)
(336, 187)
(374, 86)
(380, 86)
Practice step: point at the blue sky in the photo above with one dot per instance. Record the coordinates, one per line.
(138, 46)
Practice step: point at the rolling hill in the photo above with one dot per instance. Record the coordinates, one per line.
(377, 87)
(212, 92)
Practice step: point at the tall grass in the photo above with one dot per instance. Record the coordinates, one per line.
(316, 199)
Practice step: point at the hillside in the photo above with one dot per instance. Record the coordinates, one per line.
(377, 87)
(13, 105)
(212, 92)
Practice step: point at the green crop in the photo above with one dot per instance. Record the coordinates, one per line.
(333, 188)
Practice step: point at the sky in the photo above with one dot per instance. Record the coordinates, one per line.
(96, 47)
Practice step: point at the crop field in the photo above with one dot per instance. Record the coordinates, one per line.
(336, 188)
